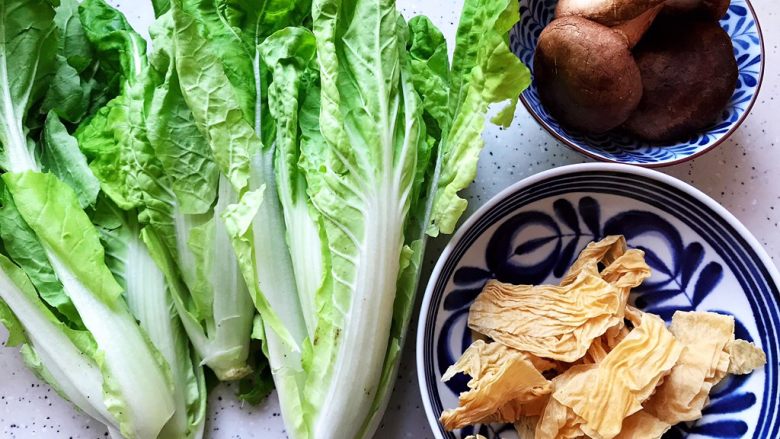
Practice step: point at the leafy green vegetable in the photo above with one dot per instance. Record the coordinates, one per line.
(371, 119)
(161, 7)
(220, 294)
(212, 99)
(153, 163)
(290, 155)
(66, 97)
(61, 156)
(22, 246)
(221, 55)
(81, 83)
(342, 151)
(171, 128)
(115, 139)
(204, 254)
(60, 299)
(289, 53)
(430, 73)
(150, 301)
(368, 172)
(27, 54)
(133, 378)
(257, 386)
(60, 355)
(63, 231)
(74, 46)
(212, 53)
(484, 72)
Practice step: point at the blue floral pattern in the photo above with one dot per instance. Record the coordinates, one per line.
(516, 243)
(569, 229)
(740, 23)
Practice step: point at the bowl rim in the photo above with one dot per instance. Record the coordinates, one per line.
(709, 202)
(661, 164)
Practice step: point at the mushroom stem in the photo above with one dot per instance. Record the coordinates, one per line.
(634, 29)
(607, 12)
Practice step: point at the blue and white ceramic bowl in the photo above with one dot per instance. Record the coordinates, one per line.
(702, 259)
(740, 23)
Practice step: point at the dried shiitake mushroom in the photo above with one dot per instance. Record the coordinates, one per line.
(688, 74)
(586, 75)
(714, 9)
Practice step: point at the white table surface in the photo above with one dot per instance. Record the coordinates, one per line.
(743, 174)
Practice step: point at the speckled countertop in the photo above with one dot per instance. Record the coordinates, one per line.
(743, 174)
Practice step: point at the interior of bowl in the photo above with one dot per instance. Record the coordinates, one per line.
(702, 259)
(740, 23)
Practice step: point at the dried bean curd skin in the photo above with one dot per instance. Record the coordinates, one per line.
(503, 381)
(745, 357)
(702, 365)
(616, 388)
(614, 371)
(560, 322)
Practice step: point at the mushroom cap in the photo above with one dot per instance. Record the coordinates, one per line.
(606, 12)
(714, 9)
(688, 74)
(585, 74)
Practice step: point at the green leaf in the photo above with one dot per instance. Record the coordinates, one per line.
(238, 219)
(52, 211)
(429, 66)
(83, 82)
(117, 44)
(96, 140)
(66, 95)
(182, 150)
(231, 309)
(90, 369)
(150, 302)
(153, 160)
(114, 226)
(253, 22)
(504, 116)
(213, 102)
(234, 30)
(62, 157)
(23, 247)
(200, 243)
(430, 73)
(115, 141)
(220, 112)
(73, 43)
(372, 120)
(224, 43)
(161, 7)
(484, 72)
(208, 289)
(61, 356)
(289, 53)
(101, 84)
(15, 329)
(28, 45)
(313, 147)
(255, 388)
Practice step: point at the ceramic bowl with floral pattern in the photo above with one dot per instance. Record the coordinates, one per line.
(740, 23)
(702, 259)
